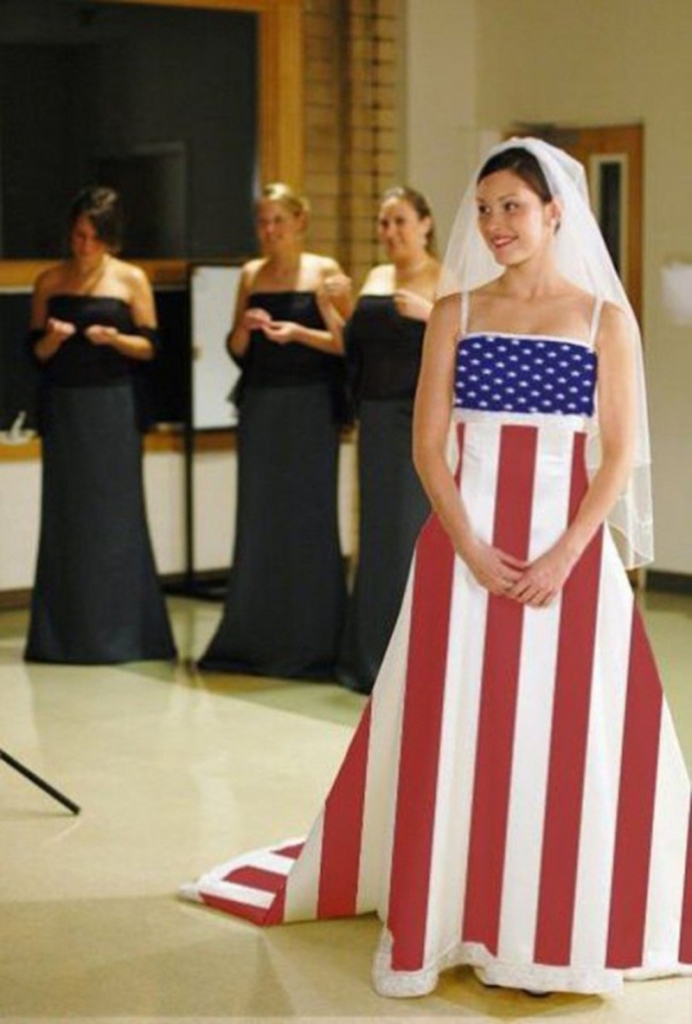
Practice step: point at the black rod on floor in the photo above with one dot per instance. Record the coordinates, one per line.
(38, 781)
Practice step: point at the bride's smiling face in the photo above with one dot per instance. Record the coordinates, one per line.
(514, 221)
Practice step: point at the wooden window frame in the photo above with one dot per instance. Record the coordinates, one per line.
(280, 116)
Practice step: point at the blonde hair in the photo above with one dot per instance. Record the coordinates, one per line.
(278, 192)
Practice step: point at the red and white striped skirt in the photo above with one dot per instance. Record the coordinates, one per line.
(514, 796)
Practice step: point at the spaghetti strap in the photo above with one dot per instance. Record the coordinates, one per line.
(464, 313)
(595, 320)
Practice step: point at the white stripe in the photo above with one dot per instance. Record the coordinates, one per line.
(459, 732)
(268, 860)
(384, 751)
(531, 755)
(302, 886)
(669, 850)
(262, 858)
(603, 757)
(549, 421)
(479, 471)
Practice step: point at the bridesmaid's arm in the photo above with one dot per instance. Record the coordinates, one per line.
(337, 287)
(54, 332)
(334, 298)
(141, 300)
(412, 305)
(245, 320)
(284, 331)
(334, 302)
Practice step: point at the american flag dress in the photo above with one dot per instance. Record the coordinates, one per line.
(514, 797)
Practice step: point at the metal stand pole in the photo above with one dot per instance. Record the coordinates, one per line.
(38, 781)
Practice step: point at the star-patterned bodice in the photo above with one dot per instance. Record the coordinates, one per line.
(525, 374)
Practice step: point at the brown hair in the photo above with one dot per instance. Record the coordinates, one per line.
(103, 208)
(420, 204)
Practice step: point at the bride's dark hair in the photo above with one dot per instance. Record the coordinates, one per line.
(522, 163)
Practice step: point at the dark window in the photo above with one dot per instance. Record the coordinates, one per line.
(159, 102)
(610, 207)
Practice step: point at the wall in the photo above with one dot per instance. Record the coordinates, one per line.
(353, 123)
(579, 64)
(330, 53)
(441, 132)
(466, 78)
(203, 104)
(172, 92)
(215, 497)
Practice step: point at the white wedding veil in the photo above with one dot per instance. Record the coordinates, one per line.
(583, 258)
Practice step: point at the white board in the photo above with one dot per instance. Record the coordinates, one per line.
(213, 291)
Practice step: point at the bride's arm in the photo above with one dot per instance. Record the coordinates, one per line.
(616, 413)
(492, 568)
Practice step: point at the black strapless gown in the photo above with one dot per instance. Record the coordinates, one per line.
(286, 593)
(96, 596)
(384, 350)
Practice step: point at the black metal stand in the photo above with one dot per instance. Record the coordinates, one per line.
(191, 585)
(38, 781)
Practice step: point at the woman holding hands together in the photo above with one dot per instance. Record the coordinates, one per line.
(96, 596)
(384, 340)
(515, 797)
(286, 591)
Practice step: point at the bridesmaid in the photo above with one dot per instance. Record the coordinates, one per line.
(384, 342)
(286, 594)
(96, 596)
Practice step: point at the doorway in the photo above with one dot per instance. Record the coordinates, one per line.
(613, 159)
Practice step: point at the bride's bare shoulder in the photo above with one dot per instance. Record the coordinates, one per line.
(447, 308)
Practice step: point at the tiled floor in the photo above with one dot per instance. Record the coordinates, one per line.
(175, 772)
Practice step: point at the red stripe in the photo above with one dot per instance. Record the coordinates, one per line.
(342, 830)
(498, 700)
(568, 743)
(256, 878)
(686, 925)
(635, 816)
(293, 851)
(258, 915)
(420, 742)
(275, 913)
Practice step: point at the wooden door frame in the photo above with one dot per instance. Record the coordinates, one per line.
(280, 116)
(585, 141)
